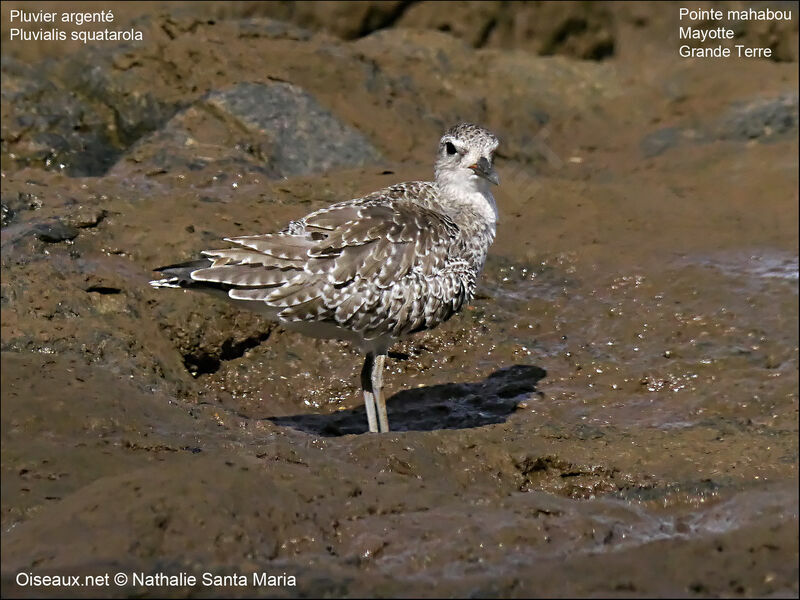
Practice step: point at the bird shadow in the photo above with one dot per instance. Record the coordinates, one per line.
(446, 406)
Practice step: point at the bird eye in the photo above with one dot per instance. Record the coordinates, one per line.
(451, 149)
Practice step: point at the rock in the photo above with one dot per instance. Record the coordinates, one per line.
(527, 91)
(302, 136)
(779, 36)
(275, 128)
(347, 20)
(113, 77)
(578, 30)
(55, 232)
(568, 28)
(271, 29)
(473, 22)
(404, 76)
(44, 124)
(760, 118)
(14, 204)
(660, 141)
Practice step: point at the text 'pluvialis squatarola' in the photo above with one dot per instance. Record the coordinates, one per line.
(370, 270)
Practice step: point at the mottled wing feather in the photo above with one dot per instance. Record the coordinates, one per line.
(364, 249)
(245, 256)
(246, 275)
(372, 265)
(332, 217)
(279, 245)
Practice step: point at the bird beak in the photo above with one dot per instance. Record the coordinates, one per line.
(483, 169)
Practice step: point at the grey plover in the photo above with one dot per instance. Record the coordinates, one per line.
(370, 270)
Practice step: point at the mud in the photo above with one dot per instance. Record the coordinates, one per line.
(615, 414)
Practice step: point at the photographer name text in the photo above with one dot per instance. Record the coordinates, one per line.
(135, 579)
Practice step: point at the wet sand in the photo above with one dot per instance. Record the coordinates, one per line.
(615, 414)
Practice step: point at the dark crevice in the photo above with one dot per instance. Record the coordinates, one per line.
(540, 463)
(375, 20)
(572, 26)
(579, 26)
(100, 289)
(168, 31)
(483, 37)
(603, 49)
(204, 363)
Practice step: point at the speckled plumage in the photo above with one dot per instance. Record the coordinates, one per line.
(373, 269)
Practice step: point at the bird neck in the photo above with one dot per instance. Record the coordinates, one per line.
(467, 200)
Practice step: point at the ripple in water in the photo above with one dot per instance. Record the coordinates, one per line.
(759, 265)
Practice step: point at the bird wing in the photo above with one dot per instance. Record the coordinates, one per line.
(336, 261)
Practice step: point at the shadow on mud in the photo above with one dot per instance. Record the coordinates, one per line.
(446, 406)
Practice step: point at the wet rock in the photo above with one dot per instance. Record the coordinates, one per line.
(276, 129)
(381, 71)
(55, 232)
(660, 141)
(196, 140)
(300, 135)
(8, 214)
(760, 119)
(111, 76)
(88, 217)
(79, 112)
(14, 204)
(48, 125)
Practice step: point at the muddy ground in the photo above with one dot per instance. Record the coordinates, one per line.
(616, 412)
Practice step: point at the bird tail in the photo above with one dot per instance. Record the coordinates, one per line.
(180, 275)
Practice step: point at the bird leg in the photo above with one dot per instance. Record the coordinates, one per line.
(377, 391)
(367, 387)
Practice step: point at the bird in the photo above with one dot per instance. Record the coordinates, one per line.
(371, 270)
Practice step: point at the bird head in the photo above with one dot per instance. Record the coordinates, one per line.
(466, 156)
